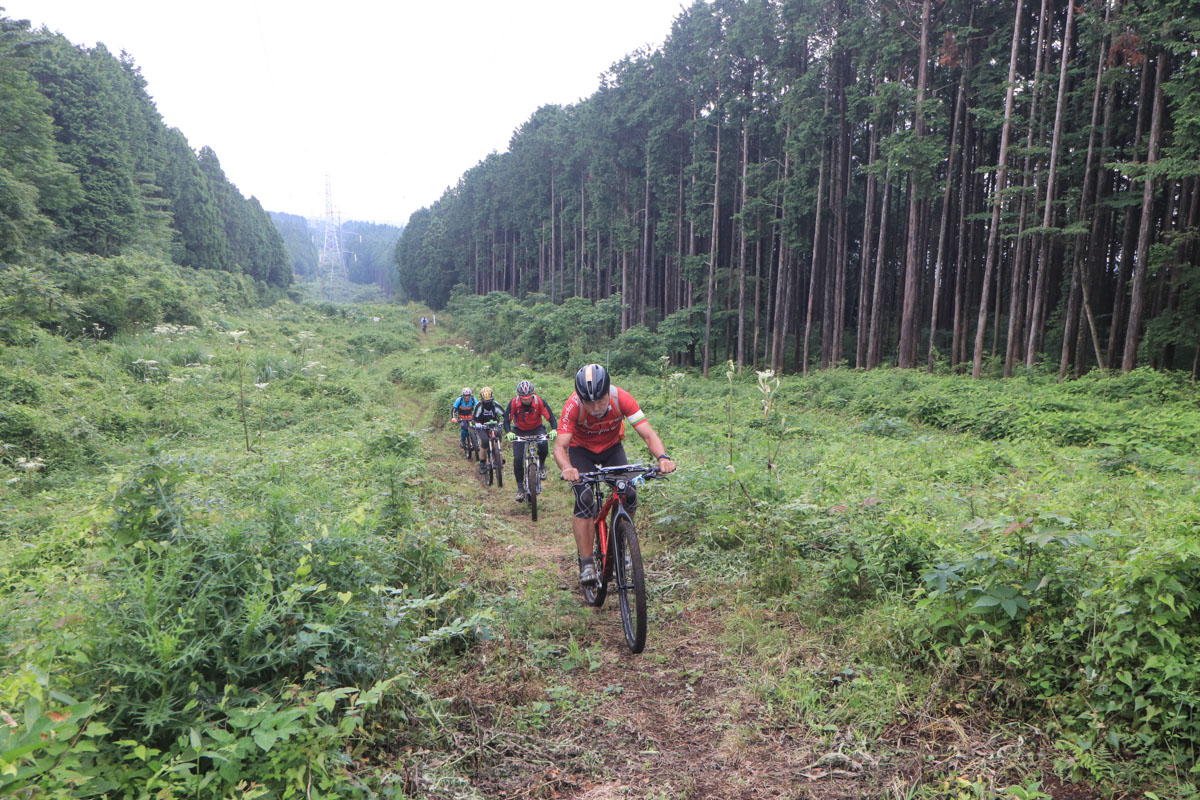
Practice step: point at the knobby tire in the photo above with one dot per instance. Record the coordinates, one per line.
(631, 584)
(491, 470)
(499, 462)
(531, 487)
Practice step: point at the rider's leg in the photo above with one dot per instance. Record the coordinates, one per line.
(585, 535)
(519, 462)
(582, 526)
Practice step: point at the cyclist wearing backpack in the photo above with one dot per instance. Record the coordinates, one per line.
(486, 411)
(523, 417)
(590, 433)
(461, 412)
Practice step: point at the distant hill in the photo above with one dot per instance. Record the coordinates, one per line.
(369, 248)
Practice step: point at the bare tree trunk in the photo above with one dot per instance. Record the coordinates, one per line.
(875, 336)
(741, 320)
(960, 106)
(712, 257)
(910, 332)
(816, 255)
(624, 289)
(1084, 204)
(1133, 331)
(841, 226)
(647, 248)
(1128, 241)
(1037, 318)
(757, 299)
(779, 334)
(860, 339)
(958, 345)
(998, 195)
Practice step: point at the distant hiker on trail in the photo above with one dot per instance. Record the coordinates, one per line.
(523, 417)
(590, 433)
(424, 324)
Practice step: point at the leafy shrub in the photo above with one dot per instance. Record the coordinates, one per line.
(889, 427)
(1105, 638)
(18, 389)
(637, 350)
(31, 433)
(415, 380)
(376, 344)
(269, 367)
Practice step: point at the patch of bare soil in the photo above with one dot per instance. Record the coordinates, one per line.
(676, 721)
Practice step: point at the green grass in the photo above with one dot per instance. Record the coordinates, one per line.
(254, 511)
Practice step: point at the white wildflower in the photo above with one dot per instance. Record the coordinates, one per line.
(261, 385)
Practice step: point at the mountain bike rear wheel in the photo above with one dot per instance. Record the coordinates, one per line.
(631, 584)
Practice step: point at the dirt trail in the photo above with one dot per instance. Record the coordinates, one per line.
(680, 720)
(680, 724)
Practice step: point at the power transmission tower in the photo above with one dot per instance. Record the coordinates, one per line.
(331, 266)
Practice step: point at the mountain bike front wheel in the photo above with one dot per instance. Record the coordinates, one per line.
(631, 584)
(532, 487)
(498, 463)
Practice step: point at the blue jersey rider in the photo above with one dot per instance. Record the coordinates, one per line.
(460, 413)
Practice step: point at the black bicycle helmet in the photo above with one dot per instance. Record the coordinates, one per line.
(592, 382)
(524, 389)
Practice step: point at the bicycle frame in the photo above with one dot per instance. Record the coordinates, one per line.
(619, 553)
(491, 435)
(532, 479)
(472, 441)
(614, 504)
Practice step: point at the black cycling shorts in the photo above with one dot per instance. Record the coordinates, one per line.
(585, 460)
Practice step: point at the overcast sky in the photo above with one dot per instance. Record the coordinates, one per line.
(394, 100)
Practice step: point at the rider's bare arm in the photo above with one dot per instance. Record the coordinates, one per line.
(562, 459)
(656, 446)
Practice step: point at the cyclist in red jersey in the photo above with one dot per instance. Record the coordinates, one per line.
(590, 433)
(523, 417)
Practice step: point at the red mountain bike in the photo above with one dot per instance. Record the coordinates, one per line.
(616, 550)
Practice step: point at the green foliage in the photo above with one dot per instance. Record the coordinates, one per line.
(1156, 408)
(636, 349)
(218, 621)
(540, 333)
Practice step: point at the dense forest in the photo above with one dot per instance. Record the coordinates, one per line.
(804, 183)
(87, 166)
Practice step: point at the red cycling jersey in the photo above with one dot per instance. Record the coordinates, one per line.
(597, 434)
(528, 419)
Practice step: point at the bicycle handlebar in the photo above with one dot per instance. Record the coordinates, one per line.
(612, 473)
